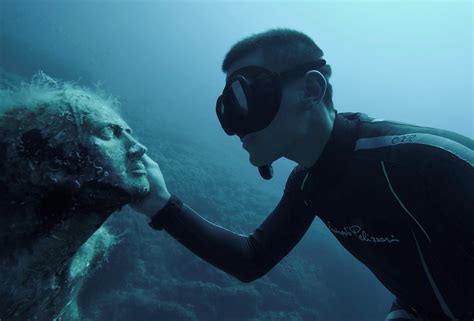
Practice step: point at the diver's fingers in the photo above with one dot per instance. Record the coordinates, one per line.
(148, 162)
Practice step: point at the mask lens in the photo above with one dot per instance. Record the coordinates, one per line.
(239, 95)
(232, 106)
(225, 121)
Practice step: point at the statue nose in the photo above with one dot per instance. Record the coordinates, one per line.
(137, 151)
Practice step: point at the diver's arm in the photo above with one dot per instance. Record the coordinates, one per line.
(245, 257)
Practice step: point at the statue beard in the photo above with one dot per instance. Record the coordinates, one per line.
(68, 199)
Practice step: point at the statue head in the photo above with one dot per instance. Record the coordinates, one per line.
(64, 148)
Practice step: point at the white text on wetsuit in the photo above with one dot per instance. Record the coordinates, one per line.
(362, 235)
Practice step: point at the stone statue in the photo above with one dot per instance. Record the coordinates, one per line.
(67, 162)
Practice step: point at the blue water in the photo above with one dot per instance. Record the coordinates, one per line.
(404, 61)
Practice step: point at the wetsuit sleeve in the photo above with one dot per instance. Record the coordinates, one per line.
(245, 257)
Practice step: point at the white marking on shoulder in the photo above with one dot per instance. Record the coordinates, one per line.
(459, 150)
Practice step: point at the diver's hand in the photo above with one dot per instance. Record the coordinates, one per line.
(158, 195)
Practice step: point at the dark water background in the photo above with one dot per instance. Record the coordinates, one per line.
(406, 61)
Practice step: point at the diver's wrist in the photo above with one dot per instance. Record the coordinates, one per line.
(161, 202)
(157, 203)
(160, 219)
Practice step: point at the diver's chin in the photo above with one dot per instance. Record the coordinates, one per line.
(252, 161)
(258, 162)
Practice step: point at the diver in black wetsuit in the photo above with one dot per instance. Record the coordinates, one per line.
(399, 197)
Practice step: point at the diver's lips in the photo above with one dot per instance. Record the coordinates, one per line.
(247, 138)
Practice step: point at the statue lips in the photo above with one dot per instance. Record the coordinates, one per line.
(139, 169)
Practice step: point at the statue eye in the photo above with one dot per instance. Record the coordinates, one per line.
(110, 131)
(106, 132)
(117, 130)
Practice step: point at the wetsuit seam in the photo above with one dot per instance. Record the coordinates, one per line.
(441, 301)
(401, 203)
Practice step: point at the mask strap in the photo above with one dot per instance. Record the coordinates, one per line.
(302, 68)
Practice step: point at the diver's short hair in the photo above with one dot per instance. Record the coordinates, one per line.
(283, 47)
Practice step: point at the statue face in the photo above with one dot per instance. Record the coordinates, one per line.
(77, 154)
(116, 152)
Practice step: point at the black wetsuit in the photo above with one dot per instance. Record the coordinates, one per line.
(399, 197)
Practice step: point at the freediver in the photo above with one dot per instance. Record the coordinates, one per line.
(397, 196)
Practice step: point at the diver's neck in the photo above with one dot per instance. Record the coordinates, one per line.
(313, 137)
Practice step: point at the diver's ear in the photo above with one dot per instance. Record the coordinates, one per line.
(315, 85)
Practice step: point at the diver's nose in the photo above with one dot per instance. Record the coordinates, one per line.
(136, 151)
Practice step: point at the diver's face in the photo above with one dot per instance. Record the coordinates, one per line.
(118, 153)
(272, 142)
